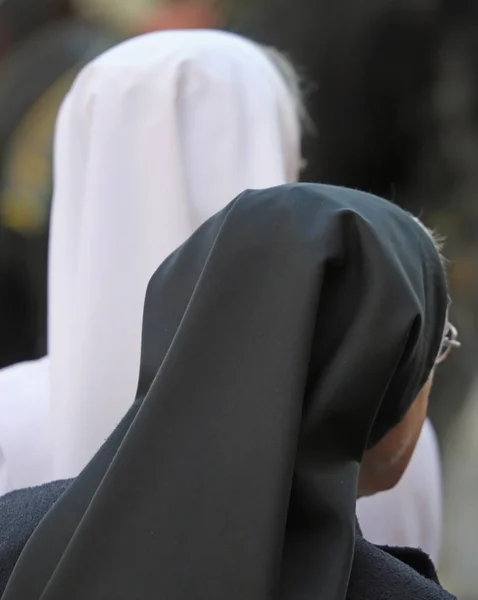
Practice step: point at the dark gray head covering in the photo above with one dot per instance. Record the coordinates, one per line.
(291, 331)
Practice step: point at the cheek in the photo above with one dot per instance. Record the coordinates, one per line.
(384, 465)
(399, 444)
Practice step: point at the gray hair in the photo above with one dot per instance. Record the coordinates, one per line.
(293, 82)
(437, 239)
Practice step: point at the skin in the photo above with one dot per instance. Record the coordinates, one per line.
(183, 14)
(383, 465)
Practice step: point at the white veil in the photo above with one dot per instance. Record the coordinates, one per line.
(156, 135)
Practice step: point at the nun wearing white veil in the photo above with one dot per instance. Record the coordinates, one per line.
(155, 136)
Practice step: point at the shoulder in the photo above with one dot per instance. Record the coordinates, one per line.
(398, 573)
(20, 514)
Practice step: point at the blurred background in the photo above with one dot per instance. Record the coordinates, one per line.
(392, 88)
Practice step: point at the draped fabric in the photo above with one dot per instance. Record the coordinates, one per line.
(156, 135)
(292, 331)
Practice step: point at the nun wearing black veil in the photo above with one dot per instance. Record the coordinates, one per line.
(288, 351)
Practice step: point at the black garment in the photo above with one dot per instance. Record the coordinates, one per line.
(369, 70)
(289, 332)
(17, 314)
(20, 514)
(21, 18)
(378, 77)
(376, 572)
(388, 573)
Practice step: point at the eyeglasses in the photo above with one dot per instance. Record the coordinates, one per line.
(450, 341)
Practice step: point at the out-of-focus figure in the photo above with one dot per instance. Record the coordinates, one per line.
(152, 139)
(142, 16)
(19, 19)
(45, 45)
(392, 89)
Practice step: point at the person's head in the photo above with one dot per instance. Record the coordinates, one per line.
(289, 334)
(155, 136)
(182, 14)
(384, 464)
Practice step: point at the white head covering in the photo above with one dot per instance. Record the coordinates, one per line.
(155, 136)
(411, 513)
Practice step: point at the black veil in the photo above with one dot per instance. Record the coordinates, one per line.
(288, 334)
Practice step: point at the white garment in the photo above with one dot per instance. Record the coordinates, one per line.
(459, 570)
(411, 513)
(24, 428)
(155, 136)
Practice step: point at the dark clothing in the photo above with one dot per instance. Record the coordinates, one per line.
(18, 326)
(380, 573)
(290, 333)
(380, 81)
(368, 68)
(21, 18)
(377, 573)
(20, 514)
(48, 60)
